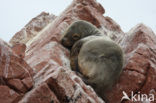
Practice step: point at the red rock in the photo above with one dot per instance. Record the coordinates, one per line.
(17, 84)
(71, 93)
(12, 69)
(64, 86)
(139, 73)
(11, 65)
(28, 82)
(8, 95)
(19, 49)
(140, 34)
(40, 94)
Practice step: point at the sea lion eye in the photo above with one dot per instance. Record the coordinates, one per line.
(75, 36)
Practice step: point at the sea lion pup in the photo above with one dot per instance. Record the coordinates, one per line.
(97, 59)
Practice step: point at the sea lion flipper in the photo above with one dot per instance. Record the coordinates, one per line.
(74, 55)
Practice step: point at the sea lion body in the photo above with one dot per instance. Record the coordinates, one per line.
(100, 61)
(76, 49)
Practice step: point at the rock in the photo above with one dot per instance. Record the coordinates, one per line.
(40, 94)
(139, 74)
(8, 95)
(32, 28)
(71, 93)
(19, 49)
(13, 69)
(28, 82)
(17, 84)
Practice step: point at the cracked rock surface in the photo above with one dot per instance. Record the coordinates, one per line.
(35, 68)
(15, 75)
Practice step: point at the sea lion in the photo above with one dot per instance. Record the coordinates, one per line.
(97, 59)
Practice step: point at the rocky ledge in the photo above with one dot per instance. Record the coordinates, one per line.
(34, 67)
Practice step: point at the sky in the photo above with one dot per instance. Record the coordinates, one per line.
(15, 14)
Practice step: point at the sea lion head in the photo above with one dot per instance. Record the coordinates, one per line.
(77, 31)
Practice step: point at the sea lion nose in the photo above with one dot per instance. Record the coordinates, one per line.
(63, 40)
